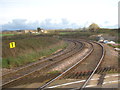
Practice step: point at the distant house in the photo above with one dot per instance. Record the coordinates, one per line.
(26, 31)
(20, 32)
(44, 31)
(40, 30)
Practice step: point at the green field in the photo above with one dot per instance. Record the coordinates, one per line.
(29, 48)
(86, 34)
(7, 34)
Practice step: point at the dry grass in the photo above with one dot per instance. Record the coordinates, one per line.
(28, 48)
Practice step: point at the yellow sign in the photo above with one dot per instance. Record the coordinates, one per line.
(12, 45)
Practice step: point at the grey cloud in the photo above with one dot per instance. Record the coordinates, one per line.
(113, 26)
(110, 26)
(62, 25)
(18, 24)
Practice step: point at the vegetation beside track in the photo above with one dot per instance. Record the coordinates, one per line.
(53, 72)
(29, 48)
(117, 46)
(107, 33)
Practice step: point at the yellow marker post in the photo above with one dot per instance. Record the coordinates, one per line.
(12, 45)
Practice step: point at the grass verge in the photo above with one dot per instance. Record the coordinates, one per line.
(29, 50)
(28, 58)
(53, 72)
(117, 46)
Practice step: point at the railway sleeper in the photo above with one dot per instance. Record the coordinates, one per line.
(83, 74)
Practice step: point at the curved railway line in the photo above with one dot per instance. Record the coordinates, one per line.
(71, 45)
(12, 77)
(77, 67)
(21, 75)
(95, 69)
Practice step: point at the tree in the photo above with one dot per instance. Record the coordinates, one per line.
(38, 29)
(94, 27)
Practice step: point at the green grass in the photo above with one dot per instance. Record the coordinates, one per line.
(110, 32)
(67, 33)
(118, 46)
(87, 34)
(7, 34)
(118, 42)
(77, 35)
(28, 49)
(27, 58)
(54, 72)
(111, 72)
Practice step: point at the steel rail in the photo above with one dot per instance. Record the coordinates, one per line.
(89, 78)
(45, 85)
(37, 62)
(33, 71)
(31, 66)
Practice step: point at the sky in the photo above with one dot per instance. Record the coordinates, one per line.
(55, 14)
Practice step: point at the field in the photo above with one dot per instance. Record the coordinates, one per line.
(7, 34)
(29, 48)
(109, 34)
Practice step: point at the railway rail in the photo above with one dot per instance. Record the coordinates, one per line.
(36, 67)
(71, 45)
(91, 75)
(75, 67)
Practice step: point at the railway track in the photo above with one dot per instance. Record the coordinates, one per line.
(76, 67)
(70, 46)
(16, 75)
(95, 69)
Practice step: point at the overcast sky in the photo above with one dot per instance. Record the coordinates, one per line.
(17, 14)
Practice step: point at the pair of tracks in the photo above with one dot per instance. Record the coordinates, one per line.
(9, 78)
(76, 67)
(96, 67)
(76, 46)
